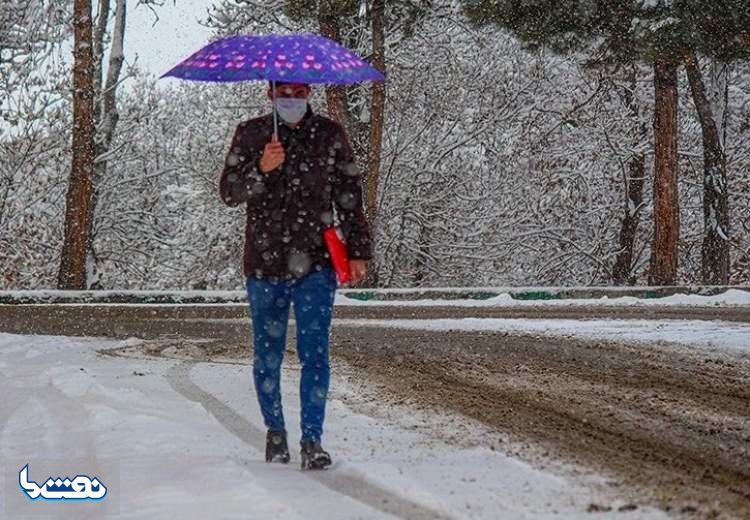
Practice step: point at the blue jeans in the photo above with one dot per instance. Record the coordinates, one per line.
(312, 296)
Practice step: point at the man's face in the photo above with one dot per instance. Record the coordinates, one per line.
(291, 90)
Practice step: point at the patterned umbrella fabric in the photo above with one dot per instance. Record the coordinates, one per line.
(302, 58)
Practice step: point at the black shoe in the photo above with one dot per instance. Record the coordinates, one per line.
(276, 447)
(313, 456)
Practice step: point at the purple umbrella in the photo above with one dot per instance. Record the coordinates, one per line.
(303, 58)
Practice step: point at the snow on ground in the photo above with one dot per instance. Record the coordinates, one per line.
(186, 439)
(411, 297)
(714, 335)
(732, 297)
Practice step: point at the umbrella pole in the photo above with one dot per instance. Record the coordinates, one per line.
(275, 114)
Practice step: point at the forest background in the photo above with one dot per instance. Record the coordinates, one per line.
(514, 143)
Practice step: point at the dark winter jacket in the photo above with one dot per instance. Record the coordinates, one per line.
(289, 207)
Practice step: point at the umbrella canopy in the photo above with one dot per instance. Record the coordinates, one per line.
(299, 58)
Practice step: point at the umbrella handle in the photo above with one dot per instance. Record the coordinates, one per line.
(275, 114)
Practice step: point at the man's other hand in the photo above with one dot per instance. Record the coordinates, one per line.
(358, 269)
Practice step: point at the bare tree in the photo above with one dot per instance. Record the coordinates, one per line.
(715, 248)
(634, 175)
(106, 115)
(377, 109)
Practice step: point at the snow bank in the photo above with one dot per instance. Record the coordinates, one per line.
(456, 296)
(718, 335)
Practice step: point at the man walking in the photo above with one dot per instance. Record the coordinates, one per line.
(293, 188)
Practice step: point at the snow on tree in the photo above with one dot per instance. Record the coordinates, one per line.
(500, 164)
(659, 32)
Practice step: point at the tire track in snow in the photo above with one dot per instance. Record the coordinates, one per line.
(341, 482)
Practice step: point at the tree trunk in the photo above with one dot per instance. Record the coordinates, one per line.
(663, 270)
(719, 96)
(634, 179)
(621, 272)
(106, 122)
(335, 94)
(72, 273)
(715, 248)
(377, 122)
(100, 31)
(377, 109)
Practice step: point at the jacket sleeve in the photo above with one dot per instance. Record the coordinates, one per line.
(241, 178)
(347, 198)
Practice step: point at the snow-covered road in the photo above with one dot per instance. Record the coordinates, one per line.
(184, 439)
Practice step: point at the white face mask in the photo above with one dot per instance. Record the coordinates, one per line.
(291, 110)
